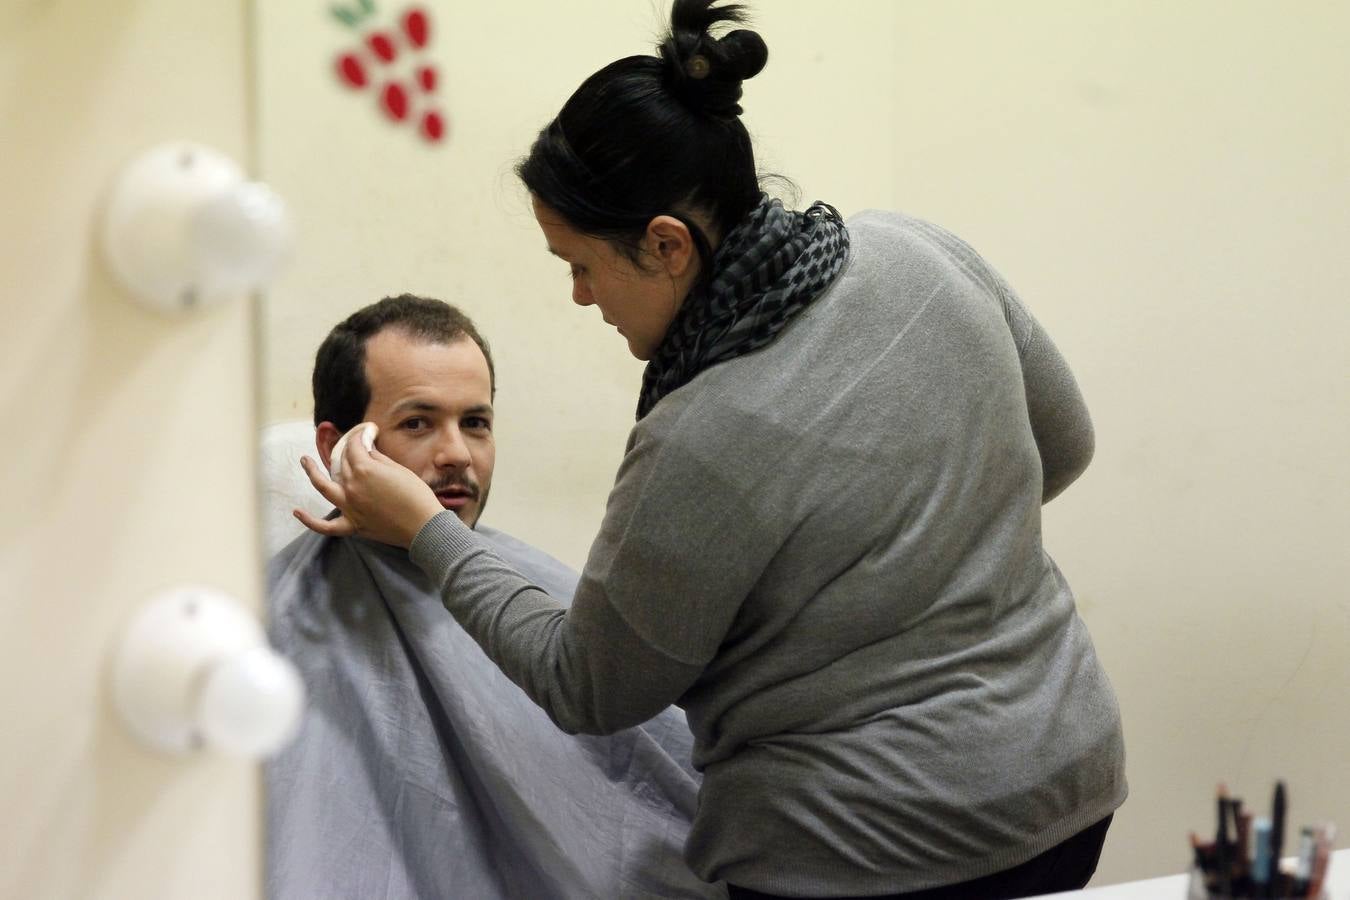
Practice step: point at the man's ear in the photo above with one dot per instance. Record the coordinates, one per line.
(668, 239)
(326, 437)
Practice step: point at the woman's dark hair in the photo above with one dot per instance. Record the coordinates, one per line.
(656, 135)
(341, 391)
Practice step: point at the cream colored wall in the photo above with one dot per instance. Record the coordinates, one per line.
(1166, 184)
(1168, 187)
(127, 465)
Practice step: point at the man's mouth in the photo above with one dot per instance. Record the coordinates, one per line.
(456, 497)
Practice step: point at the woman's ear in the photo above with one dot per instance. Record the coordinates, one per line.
(669, 241)
(326, 437)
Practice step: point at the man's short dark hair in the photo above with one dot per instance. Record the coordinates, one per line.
(341, 391)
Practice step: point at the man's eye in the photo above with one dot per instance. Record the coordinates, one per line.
(478, 423)
(576, 272)
(416, 423)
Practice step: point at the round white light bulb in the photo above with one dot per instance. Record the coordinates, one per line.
(193, 670)
(250, 704)
(242, 237)
(183, 230)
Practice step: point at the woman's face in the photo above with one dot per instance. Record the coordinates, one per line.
(638, 300)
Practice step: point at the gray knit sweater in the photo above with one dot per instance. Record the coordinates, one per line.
(828, 552)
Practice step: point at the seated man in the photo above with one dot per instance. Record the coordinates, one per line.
(419, 769)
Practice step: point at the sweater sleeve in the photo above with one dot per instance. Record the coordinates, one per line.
(1059, 416)
(681, 547)
(583, 666)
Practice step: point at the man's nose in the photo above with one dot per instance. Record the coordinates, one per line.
(451, 450)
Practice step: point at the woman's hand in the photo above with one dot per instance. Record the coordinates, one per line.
(378, 498)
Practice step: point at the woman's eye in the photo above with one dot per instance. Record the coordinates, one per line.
(576, 272)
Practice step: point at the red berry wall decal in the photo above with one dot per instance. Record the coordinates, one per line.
(351, 71)
(382, 45)
(396, 59)
(395, 101)
(426, 77)
(416, 27)
(432, 126)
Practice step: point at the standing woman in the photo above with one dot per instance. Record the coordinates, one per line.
(824, 540)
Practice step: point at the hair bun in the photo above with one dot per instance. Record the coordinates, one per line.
(745, 53)
(704, 72)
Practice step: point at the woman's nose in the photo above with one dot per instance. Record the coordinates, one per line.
(581, 293)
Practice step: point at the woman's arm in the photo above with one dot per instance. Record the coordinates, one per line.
(678, 551)
(584, 666)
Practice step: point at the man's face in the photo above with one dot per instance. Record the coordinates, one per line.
(433, 403)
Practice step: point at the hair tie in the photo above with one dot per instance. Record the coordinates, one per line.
(698, 67)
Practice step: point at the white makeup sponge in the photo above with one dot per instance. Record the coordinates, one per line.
(367, 431)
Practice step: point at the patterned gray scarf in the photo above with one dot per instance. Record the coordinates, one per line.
(767, 269)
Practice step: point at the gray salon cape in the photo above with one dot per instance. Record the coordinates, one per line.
(420, 771)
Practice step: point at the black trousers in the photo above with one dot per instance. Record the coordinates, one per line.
(1064, 867)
